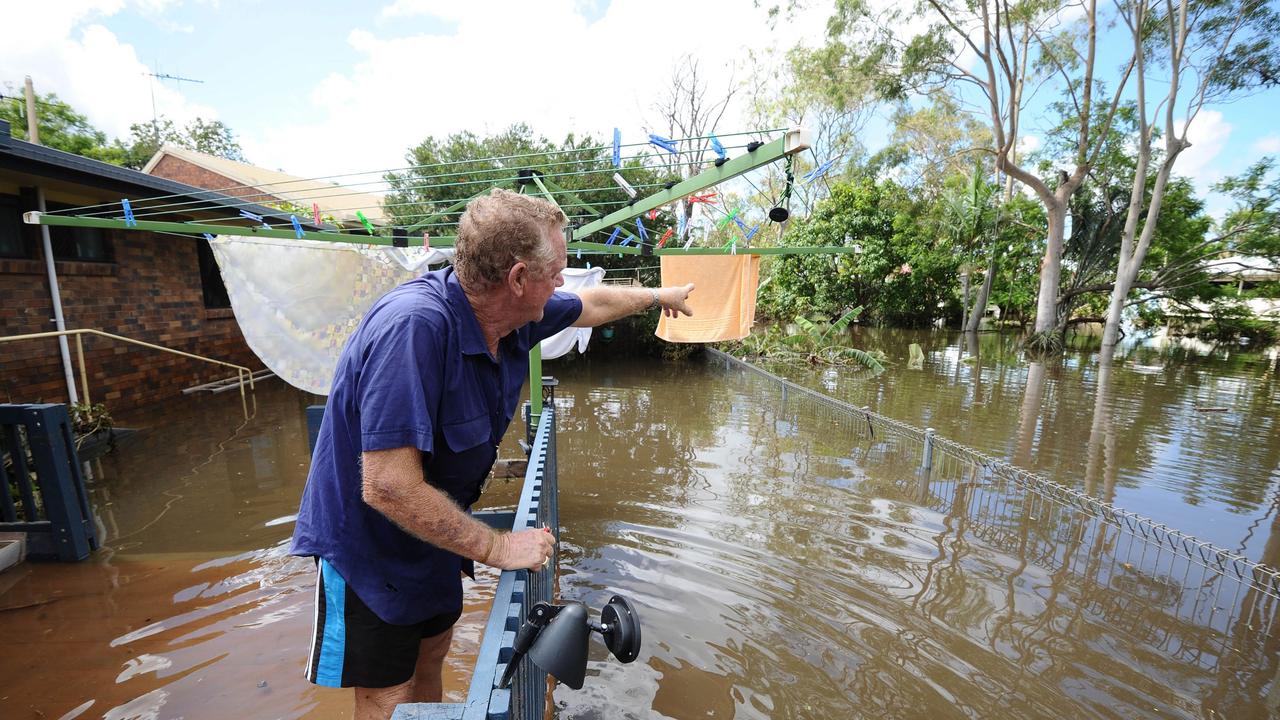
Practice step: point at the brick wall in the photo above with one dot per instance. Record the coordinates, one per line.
(174, 168)
(151, 293)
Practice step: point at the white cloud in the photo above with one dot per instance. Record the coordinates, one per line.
(1208, 134)
(546, 64)
(1269, 145)
(64, 50)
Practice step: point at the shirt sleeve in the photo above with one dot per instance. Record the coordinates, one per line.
(562, 310)
(398, 391)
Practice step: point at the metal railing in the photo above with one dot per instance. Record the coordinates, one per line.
(243, 373)
(517, 591)
(1122, 565)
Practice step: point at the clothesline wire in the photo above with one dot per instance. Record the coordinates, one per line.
(167, 208)
(448, 164)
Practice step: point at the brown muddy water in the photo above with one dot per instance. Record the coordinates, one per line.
(784, 563)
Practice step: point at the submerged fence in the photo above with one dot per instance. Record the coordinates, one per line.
(1208, 602)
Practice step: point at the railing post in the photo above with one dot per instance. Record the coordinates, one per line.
(84, 377)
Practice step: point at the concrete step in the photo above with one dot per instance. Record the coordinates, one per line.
(13, 548)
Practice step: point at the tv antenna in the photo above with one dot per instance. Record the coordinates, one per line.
(156, 75)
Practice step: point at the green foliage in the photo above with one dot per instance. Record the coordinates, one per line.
(1044, 344)
(211, 137)
(901, 273)
(88, 419)
(813, 345)
(62, 127)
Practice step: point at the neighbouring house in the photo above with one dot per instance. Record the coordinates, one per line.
(159, 288)
(337, 203)
(1237, 274)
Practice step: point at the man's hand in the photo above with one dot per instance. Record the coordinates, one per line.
(675, 300)
(524, 549)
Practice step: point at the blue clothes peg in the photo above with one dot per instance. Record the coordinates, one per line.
(613, 236)
(717, 146)
(250, 216)
(664, 143)
(643, 234)
(297, 226)
(617, 148)
(819, 171)
(129, 221)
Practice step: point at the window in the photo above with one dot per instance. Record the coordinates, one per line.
(79, 243)
(13, 242)
(215, 292)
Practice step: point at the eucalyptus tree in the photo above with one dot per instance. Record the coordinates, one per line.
(989, 53)
(1200, 52)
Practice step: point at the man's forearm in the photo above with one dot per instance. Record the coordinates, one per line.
(604, 303)
(394, 487)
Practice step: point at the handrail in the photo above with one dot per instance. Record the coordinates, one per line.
(241, 370)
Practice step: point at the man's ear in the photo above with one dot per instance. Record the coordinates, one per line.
(516, 278)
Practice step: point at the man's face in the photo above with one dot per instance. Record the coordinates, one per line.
(544, 281)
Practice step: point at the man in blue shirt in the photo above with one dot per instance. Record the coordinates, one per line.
(423, 393)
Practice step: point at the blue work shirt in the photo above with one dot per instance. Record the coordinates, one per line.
(415, 373)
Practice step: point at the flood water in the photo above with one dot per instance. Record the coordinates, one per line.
(784, 564)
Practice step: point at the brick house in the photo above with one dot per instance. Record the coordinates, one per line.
(336, 203)
(160, 288)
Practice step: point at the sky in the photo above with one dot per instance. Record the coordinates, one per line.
(325, 88)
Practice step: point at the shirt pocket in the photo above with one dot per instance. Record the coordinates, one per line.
(462, 436)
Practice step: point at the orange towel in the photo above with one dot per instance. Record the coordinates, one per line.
(723, 299)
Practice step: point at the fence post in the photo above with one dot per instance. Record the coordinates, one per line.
(927, 462)
(66, 504)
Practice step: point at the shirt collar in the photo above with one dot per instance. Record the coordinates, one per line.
(469, 332)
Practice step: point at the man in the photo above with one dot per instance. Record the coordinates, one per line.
(423, 393)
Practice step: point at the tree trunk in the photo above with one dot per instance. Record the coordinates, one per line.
(964, 299)
(1051, 266)
(984, 293)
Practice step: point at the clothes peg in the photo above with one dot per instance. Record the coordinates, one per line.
(708, 198)
(250, 216)
(579, 253)
(315, 213)
(653, 214)
(666, 236)
(751, 233)
(617, 148)
(626, 186)
(819, 171)
(613, 236)
(368, 226)
(129, 220)
(643, 234)
(207, 236)
(680, 224)
(426, 240)
(733, 215)
(297, 226)
(664, 143)
(717, 146)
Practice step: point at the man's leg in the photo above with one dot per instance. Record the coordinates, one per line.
(379, 703)
(428, 675)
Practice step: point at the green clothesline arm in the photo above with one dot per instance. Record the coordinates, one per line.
(192, 228)
(794, 141)
(454, 208)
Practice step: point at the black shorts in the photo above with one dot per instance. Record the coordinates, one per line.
(353, 647)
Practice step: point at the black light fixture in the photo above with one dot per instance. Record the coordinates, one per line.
(555, 638)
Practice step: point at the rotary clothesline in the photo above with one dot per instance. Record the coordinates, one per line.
(601, 215)
(105, 208)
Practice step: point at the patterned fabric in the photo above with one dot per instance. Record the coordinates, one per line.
(297, 301)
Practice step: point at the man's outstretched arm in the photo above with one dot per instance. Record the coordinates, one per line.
(606, 303)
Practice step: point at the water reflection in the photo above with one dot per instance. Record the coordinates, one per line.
(1188, 433)
(192, 608)
(789, 563)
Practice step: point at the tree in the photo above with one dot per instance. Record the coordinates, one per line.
(1013, 45)
(1221, 49)
(61, 126)
(211, 137)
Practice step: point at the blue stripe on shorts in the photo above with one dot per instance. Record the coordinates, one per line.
(333, 643)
